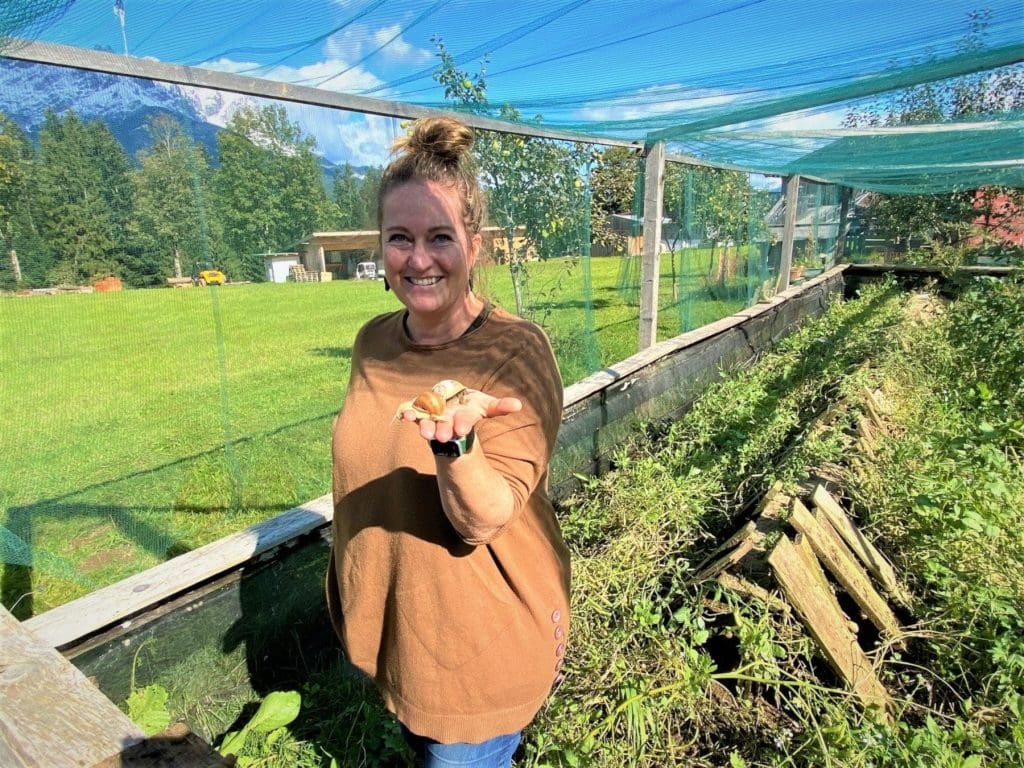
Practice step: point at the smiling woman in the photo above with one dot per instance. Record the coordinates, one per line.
(448, 582)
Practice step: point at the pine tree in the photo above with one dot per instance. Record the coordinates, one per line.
(75, 219)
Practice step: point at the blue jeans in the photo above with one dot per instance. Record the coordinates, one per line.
(493, 753)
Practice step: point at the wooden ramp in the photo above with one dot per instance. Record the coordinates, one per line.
(51, 716)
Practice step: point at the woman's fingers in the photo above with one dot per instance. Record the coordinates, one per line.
(460, 419)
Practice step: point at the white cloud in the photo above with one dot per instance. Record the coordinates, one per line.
(399, 49)
(357, 40)
(364, 140)
(656, 100)
(808, 120)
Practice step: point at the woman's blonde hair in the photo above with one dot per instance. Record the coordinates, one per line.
(437, 149)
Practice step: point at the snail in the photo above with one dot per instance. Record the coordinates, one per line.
(432, 403)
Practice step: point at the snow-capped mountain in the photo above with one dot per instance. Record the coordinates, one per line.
(27, 90)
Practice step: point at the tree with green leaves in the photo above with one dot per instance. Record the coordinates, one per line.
(347, 195)
(368, 191)
(175, 223)
(532, 183)
(16, 160)
(947, 219)
(269, 185)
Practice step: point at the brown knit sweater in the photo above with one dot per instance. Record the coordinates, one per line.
(463, 640)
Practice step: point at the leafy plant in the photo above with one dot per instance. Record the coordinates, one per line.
(277, 710)
(147, 707)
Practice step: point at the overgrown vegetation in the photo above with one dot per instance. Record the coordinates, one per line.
(664, 671)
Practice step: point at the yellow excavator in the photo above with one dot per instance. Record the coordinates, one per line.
(204, 273)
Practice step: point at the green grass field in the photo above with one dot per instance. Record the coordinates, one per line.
(141, 424)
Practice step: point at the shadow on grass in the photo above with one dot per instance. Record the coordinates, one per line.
(20, 557)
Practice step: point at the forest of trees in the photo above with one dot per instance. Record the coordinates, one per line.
(74, 207)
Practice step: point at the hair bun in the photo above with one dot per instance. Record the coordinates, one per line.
(444, 139)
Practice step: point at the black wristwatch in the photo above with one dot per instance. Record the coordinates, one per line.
(457, 446)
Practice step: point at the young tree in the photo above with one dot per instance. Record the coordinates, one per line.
(613, 185)
(532, 183)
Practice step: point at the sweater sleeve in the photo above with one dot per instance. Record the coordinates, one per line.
(519, 446)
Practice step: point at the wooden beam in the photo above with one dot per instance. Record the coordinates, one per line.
(790, 192)
(816, 607)
(873, 560)
(131, 66)
(105, 607)
(845, 198)
(840, 561)
(654, 190)
(50, 714)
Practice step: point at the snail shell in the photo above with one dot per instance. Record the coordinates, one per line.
(430, 402)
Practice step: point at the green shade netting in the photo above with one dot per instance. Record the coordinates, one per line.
(740, 83)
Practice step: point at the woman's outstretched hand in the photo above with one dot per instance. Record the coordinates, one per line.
(462, 414)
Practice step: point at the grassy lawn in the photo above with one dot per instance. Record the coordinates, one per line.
(141, 424)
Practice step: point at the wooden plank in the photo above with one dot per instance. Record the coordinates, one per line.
(745, 587)
(729, 559)
(50, 714)
(132, 66)
(874, 410)
(732, 541)
(107, 606)
(842, 564)
(828, 628)
(873, 560)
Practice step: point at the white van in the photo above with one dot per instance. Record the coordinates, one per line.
(366, 270)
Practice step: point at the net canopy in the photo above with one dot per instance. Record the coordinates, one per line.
(762, 85)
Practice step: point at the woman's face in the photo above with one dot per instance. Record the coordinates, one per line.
(428, 254)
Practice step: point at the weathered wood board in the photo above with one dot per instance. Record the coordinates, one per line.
(51, 716)
(841, 563)
(873, 560)
(816, 606)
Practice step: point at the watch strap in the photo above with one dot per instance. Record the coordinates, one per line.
(457, 446)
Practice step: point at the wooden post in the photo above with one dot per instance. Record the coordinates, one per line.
(654, 188)
(846, 196)
(790, 188)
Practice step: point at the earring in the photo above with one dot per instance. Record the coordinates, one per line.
(387, 285)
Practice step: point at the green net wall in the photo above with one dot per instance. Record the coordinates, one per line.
(148, 407)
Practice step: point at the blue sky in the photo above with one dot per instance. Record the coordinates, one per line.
(574, 61)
